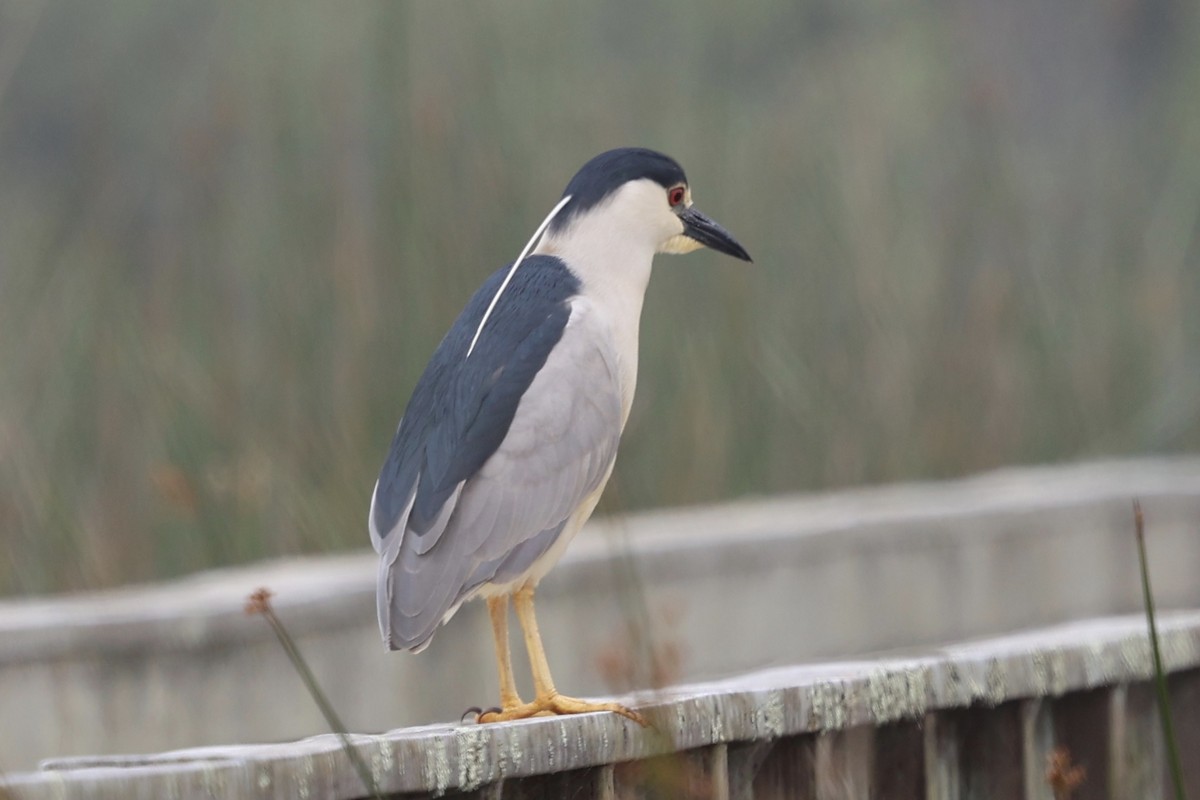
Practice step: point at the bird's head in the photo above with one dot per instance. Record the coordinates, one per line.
(641, 196)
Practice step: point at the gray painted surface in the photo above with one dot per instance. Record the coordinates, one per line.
(725, 589)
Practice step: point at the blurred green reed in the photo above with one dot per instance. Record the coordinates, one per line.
(232, 233)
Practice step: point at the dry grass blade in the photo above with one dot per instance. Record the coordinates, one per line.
(260, 603)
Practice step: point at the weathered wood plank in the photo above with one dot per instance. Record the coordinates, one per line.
(789, 771)
(1184, 690)
(844, 763)
(943, 778)
(899, 772)
(745, 761)
(1037, 741)
(990, 752)
(699, 774)
(1082, 727)
(966, 694)
(590, 783)
(1137, 751)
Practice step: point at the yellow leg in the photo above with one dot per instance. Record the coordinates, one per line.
(498, 611)
(543, 684)
(548, 701)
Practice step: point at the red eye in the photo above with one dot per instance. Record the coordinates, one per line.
(675, 196)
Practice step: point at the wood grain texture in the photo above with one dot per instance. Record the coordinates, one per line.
(824, 725)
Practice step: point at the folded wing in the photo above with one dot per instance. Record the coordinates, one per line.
(495, 452)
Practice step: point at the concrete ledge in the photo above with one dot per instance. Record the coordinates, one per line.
(762, 706)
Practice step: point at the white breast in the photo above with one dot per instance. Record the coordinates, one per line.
(614, 271)
(617, 320)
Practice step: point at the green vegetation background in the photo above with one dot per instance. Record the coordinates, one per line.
(232, 233)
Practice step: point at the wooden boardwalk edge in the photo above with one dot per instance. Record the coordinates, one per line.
(753, 708)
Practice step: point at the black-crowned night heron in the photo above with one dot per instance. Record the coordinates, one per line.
(512, 430)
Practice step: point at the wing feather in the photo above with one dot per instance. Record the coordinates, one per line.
(498, 519)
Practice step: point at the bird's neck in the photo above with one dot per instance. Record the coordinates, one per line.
(614, 272)
(613, 268)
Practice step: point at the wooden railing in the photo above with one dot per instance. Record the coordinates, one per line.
(1068, 708)
(703, 592)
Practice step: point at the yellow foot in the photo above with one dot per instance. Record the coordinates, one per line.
(554, 704)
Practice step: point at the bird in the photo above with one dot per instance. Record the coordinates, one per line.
(511, 431)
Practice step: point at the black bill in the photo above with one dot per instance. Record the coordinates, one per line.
(708, 233)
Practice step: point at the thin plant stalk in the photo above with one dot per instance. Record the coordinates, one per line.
(260, 603)
(1160, 675)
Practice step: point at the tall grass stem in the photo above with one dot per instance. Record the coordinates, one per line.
(1160, 675)
(260, 603)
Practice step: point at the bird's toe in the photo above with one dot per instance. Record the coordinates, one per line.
(553, 705)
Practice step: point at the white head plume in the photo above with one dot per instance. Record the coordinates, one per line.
(529, 246)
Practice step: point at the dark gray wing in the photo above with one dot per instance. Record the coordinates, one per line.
(461, 408)
(495, 451)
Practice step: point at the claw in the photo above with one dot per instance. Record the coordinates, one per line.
(476, 710)
(488, 714)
